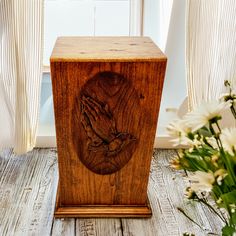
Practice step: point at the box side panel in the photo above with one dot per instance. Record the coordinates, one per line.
(106, 116)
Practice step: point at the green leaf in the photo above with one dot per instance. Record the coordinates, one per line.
(195, 162)
(228, 231)
(229, 198)
(205, 132)
(217, 192)
(233, 219)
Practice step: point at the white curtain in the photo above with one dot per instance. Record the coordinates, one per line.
(210, 48)
(21, 44)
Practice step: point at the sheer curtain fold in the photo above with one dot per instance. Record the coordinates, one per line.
(21, 44)
(210, 48)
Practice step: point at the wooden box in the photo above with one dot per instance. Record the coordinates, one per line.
(106, 93)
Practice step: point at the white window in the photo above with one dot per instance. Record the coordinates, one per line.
(89, 18)
(82, 18)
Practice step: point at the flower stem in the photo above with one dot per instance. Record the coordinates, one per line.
(218, 141)
(228, 166)
(222, 152)
(233, 111)
(212, 209)
(183, 212)
(217, 124)
(207, 143)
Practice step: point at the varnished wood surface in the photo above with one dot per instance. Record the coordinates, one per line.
(109, 141)
(86, 49)
(140, 121)
(27, 196)
(104, 211)
(106, 115)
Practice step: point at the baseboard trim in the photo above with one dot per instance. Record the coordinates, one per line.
(50, 141)
(46, 141)
(163, 142)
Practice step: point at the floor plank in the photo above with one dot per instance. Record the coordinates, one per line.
(64, 227)
(27, 192)
(98, 227)
(165, 190)
(27, 196)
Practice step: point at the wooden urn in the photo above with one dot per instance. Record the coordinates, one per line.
(107, 93)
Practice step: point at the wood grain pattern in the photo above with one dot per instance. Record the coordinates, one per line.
(27, 192)
(86, 227)
(103, 99)
(117, 49)
(104, 211)
(64, 227)
(166, 193)
(106, 114)
(94, 227)
(23, 210)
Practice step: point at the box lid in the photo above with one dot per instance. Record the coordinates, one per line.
(106, 49)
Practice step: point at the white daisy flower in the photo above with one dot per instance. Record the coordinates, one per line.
(212, 142)
(228, 138)
(200, 116)
(202, 181)
(179, 131)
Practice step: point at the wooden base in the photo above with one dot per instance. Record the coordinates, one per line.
(99, 211)
(104, 211)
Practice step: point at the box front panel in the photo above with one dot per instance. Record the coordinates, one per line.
(106, 115)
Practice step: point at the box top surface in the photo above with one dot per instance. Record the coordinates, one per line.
(105, 49)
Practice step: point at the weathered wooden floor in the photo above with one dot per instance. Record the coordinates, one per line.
(27, 195)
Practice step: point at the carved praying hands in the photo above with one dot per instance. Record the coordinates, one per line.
(100, 119)
(100, 126)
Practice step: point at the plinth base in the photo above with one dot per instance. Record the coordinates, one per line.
(111, 211)
(103, 211)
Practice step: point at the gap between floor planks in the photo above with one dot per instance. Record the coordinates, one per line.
(27, 197)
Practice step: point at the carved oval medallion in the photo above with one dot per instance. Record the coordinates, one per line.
(104, 114)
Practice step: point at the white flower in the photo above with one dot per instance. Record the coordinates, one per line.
(178, 130)
(228, 138)
(220, 174)
(212, 142)
(226, 96)
(202, 181)
(196, 142)
(231, 92)
(200, 116)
